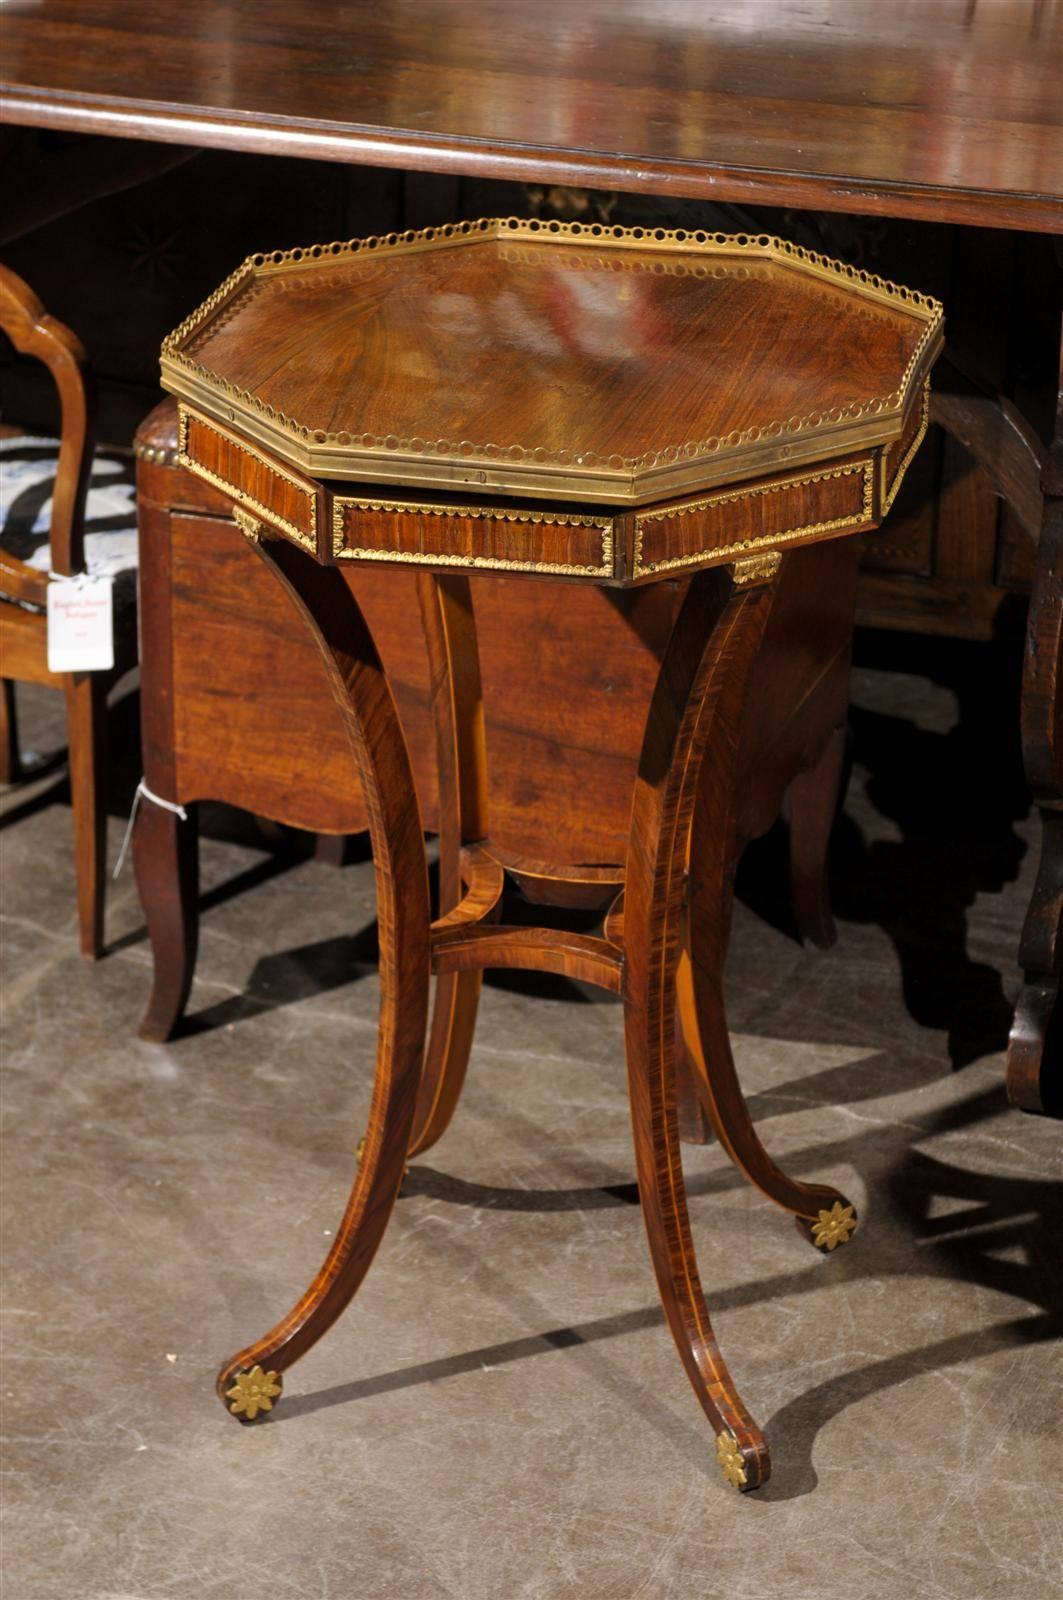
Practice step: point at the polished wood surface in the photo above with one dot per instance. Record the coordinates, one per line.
(585, 354)
(948, 110)
(952, 556)
(622, 364)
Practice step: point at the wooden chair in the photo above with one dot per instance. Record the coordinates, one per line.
(23, 601)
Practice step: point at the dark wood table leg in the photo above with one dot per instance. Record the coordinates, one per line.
(250, 1383)
(714, 642)
(1035, 1049)
(823, 1214)
(686, 798)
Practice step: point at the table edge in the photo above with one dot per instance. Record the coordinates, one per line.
(252, 132)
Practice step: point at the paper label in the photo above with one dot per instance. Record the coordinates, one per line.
(80, 624)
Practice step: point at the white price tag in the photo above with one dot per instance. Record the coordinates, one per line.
(80, 624)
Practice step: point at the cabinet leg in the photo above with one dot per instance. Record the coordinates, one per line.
(166, 862)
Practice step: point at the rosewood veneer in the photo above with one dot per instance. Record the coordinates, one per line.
(610, 408)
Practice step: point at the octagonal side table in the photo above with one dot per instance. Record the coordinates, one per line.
(595, 406)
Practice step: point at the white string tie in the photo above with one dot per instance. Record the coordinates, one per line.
(144, 793)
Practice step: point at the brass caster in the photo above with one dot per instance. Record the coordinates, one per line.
(731, 1461)
(831, 1228)
(253, 1392)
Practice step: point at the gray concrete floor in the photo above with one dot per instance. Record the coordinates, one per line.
(501, 1415)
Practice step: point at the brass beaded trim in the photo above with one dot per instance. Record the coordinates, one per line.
(765, 246)
(184, 416)
(156, 455)
(344, 552)
(866, 513)
(890, 494)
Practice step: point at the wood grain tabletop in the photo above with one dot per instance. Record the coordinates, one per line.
(948, 109)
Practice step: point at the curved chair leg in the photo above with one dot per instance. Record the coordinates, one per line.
(10, 766)
(814, 799)
(86, 725)
(457, 708)
(250, 1382)
(715, 639)
(824, 1215)
(166, 863)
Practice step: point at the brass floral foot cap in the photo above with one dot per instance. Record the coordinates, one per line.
(731, 1461)
(831, 1228)
(253, 1392)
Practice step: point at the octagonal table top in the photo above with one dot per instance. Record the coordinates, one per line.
(547, 359)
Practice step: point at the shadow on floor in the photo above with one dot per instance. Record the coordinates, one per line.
(954, 795)
(954, 1224)
(997, 1233)
(290, 975)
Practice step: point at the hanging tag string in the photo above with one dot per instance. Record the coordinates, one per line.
(144, 793)
(90, 575)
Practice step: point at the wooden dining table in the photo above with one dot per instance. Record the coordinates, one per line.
(944, 110)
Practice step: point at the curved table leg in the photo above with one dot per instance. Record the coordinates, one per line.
(457, 708)
(715, 639)
(814, 801)
(824, 1215)
(250, 1382)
